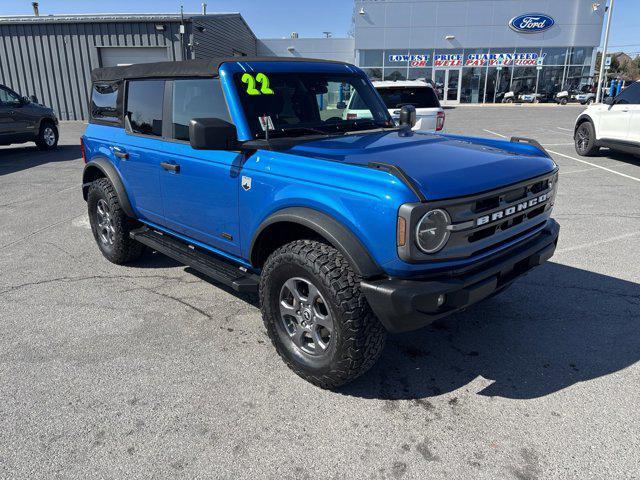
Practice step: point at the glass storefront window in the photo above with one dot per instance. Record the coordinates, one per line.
(577, 78)
(396, 58)
(580, 56)
(524, 80)
(498, 83)
(449, 58)
(555, 56)
(371, 58)
(420, 74)
(550, 82)
(395, 74)
(420, 58)
(476, 57)
(473, 85)
(373, 73)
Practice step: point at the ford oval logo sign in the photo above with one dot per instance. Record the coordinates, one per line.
(531, 23)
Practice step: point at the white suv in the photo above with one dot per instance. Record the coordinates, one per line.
(614, 124)
(396, 94)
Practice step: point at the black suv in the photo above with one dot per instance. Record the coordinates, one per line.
(25, 120)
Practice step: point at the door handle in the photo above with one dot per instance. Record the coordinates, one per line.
(173, 167)
(120, 153)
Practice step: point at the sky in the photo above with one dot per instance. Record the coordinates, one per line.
(278, 18)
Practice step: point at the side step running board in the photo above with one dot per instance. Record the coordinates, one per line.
(211, 265)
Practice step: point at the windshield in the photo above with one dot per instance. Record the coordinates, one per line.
(419, 97)
(295, 104)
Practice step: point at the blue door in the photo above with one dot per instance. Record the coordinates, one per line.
(139, 151)
(200, 195)
(200, 187)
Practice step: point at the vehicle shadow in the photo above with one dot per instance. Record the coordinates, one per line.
(16, 159)
(620, 156)
(556, 327)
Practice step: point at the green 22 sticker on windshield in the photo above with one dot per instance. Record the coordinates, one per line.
(260, 79)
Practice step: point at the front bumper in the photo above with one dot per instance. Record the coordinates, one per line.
(408, 304)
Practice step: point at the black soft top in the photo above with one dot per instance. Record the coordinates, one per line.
(184, 68)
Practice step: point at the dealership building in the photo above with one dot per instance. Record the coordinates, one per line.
(474, 51)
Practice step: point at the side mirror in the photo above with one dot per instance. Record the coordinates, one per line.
(33, 99)
(608, 101)
(341, 105)
(407, 116)
(212, 134)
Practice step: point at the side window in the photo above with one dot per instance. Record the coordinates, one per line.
(8, 98)
(104, 102)
(196, 98)
(630, 95)
(144, 106)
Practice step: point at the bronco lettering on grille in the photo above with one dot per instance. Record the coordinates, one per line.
(513, 209)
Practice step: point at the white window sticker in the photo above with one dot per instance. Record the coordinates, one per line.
(266, 123)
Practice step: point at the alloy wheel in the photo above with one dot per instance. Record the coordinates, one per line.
(305, 316)
(49, 136)
(106, 231)
(582, 139)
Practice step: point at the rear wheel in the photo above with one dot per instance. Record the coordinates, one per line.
(110, 225)
(585, 140)
(47, 136)
(316, 316)
(563, 101)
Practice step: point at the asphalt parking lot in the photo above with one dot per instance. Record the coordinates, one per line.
(153, 371)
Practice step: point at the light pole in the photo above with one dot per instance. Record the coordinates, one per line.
(609, 11)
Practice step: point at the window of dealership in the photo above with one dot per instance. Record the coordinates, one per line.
(484, 75)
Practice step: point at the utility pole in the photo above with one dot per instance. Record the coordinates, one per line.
(609, 11)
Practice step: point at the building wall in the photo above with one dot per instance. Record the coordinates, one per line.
(53, 60)
(222, 35)
(341, 49)
(390, 24)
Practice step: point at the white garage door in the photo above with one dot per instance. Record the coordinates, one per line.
(118, 56)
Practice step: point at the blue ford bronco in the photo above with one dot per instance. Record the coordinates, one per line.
(250, 171)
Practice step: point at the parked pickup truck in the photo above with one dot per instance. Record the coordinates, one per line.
(23, 120)
(345, 228)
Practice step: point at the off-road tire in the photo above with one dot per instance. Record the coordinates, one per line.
(585, 140)
(123, 249)
(358, 337)
(43, 140)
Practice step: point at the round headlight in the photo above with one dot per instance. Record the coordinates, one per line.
(432, 232)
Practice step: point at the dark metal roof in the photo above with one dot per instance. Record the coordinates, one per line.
(185, 68)
(109, 17)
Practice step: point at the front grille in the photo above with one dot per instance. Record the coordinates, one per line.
(486, 221)
(474, 238)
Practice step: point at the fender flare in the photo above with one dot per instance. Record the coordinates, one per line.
(583, 117)
(330, 229)
(109, 171)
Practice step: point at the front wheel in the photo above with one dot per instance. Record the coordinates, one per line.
(316, 316)
(563, 101)
(585, 140)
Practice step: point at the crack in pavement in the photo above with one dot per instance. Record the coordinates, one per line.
(91, 277)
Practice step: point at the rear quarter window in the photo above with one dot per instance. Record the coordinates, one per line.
(105, 103)
(419, 97)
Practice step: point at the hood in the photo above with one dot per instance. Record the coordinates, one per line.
(442, 166)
